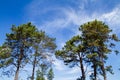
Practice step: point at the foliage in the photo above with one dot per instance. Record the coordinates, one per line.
(43, 47)
(50, 74)
(41, 72)
(19, 43)
(40, 76)
(91, 47)
(73, 54)
(98, 44)
(26, 44)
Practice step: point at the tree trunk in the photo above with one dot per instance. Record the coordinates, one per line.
(33, 71)
(16, 73)
(18, 65)
(82, 67)
(95, 71)
(103, 67)
(104, 73)
(103, 70)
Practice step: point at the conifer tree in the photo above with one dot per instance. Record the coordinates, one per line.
(44, 47)
(98, 43)
(19, 42)
(73, 54)
(50, 74)
(91, 47)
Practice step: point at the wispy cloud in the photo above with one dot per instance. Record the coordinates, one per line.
(71, 17)
(112, 18)
(59, 65)
(74, 70)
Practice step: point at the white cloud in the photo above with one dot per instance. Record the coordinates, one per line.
(71, 16)
(71, 19)
(74, 70)
(62, 45)
(113, 17)
(59, 65)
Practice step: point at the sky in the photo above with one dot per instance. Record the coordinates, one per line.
(61, 19)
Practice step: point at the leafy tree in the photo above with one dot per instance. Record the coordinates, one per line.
(50, 74)
(40, 76)
(98, 44)
(73, 54)
(41, 72)
(4, 56)
(5, 59)
(19, 42)
(43, 46)
(91, 47)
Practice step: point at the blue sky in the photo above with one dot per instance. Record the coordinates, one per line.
(61, 19)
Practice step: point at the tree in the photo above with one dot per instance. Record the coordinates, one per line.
(98, 44)
(5, 59)
(4, 56)
(19, 42)
(40, 75)
(41, 72)
(50, 74)
(73, 54)
(91, 47)
(43, 46)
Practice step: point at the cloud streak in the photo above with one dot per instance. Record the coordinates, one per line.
(71, 17)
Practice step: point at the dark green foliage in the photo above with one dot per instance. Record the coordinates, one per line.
(41, 72)
(25, 43)
(69, 52)
(43, 47)
(5, 60)
(40, 75)
(98, 44)
(19, 42)
(73, 54)
(50, 74)
(91, 47)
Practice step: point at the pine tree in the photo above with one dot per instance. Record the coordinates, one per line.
(73, 54)
(40, 75)
(98, 42)
(5, 59)
(91, 48)
(19, 42)
(44, 47)
(41, 72)
(50, 74)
